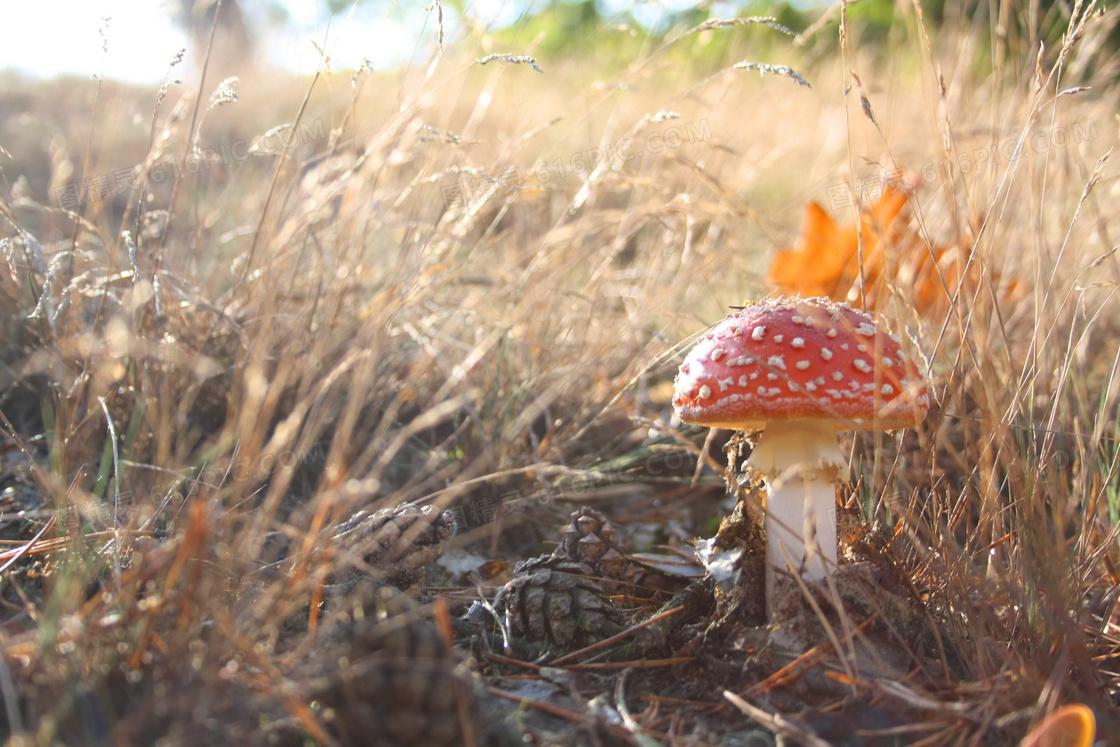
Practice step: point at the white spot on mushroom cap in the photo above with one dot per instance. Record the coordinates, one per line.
(772, 376)
(826, 354)
(887, 389)
(779, 338)
(798, 342)
(862, 365)
(802, 365)
(865, 329)
(758, 333)
(831, 332)
(724, 383)
(705, 391)
(777, 361)
(717, 354)
(887, 361)
(837, 376)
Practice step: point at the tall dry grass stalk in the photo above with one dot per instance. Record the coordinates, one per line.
(203, 375)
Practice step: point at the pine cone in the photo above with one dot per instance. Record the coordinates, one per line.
(396, 682)
(396, 542)
(560, 603)
(591, 539)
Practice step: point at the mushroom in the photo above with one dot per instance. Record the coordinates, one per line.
(802, 369)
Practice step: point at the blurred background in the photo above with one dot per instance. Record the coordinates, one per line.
(135, 41)
(450, 255)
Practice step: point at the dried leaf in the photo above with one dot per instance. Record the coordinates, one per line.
(1071, 726)
(895, 257)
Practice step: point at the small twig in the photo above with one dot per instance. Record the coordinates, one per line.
(12, 435)
(808, 596)
(498, 622)
(499, 659)
(61, 542)
(11, 697)
(442, 617)
(786, 674)
(775, 722)
(309, 720)
(628, 721)
(918, 700)
(566, 713)
(704, 458)
(681, 702)
(617, 637)
(633, 664)
(116, 489)
(15, 555)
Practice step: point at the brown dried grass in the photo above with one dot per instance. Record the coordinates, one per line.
(328, 303)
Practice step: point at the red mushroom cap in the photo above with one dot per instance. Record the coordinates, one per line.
(797, 359)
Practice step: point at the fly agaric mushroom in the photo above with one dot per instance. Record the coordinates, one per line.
(802, 369)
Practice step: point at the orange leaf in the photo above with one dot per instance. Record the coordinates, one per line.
(894, 258)
(1070, 726)
(827, 261)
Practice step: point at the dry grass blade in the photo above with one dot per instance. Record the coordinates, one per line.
(720, 23)
(797, 667)
(775, 722)
(764, 68)
(617, 637)
(636, 664)
(512, 58)
(567, 713)
(380, 352)
(11, 694)
(13, 557)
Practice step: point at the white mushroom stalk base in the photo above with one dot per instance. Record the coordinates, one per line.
(800, 461)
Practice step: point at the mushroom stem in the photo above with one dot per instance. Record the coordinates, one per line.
(800, 461)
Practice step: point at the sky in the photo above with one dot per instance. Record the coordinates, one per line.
(139, 40)
(39, 43)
